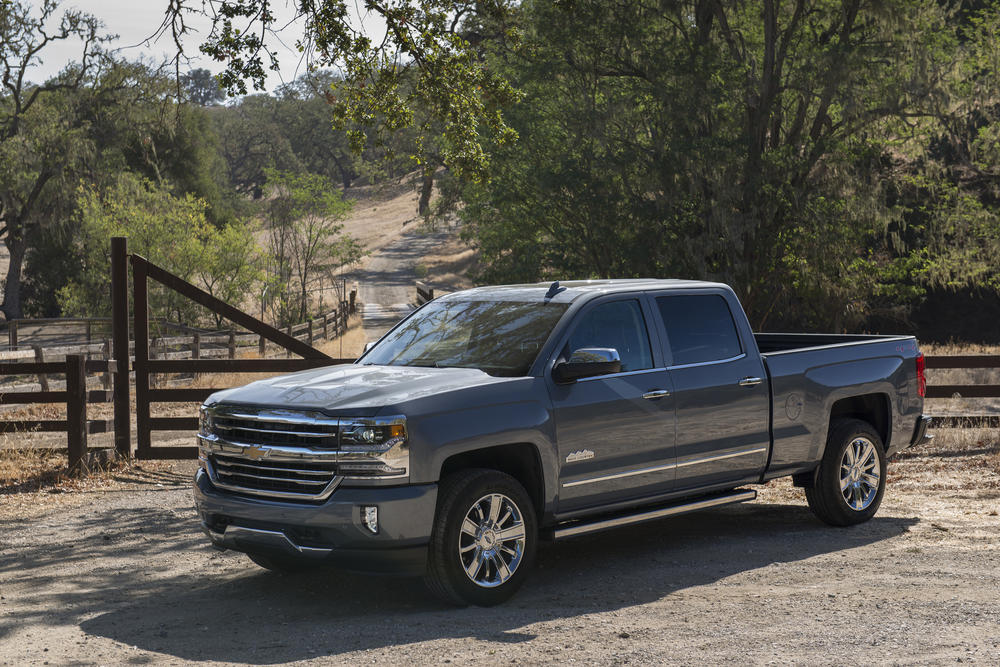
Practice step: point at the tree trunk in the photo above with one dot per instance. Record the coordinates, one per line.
(11, 306)
(426, 189)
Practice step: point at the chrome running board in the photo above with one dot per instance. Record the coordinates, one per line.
(583, 527)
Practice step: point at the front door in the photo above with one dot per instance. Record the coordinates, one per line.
(615, 432)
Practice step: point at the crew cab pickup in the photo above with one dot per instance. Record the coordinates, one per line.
(496, 417)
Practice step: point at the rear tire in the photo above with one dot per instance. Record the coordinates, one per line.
(484, 538)
(848, 485)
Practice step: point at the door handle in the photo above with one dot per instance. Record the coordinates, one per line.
(750, 382)
(655, 394)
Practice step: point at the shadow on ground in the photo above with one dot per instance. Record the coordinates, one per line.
(214, 608)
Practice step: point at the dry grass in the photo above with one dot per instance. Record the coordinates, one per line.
(941, 349)
(25, 470)
(449, 267)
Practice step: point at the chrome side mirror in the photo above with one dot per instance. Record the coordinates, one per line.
(587, 362)
(370, 344)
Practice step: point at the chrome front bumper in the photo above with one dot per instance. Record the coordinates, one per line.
(241, 538)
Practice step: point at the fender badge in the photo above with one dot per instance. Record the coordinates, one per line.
(581, 455)
(254, 452)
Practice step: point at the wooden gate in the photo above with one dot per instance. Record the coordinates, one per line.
(143, 366)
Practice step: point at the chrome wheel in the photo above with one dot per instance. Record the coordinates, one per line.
(492, 541)
(860, 474)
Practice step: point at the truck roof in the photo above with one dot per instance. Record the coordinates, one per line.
(571, 290)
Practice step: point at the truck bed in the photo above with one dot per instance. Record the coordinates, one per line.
(816, 376)
(771, 343)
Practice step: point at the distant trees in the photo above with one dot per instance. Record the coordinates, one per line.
(167, 229)
(41, 133)
(202, 87)
(305, 243)
(785, 148)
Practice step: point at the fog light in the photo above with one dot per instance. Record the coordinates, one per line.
(369, 515)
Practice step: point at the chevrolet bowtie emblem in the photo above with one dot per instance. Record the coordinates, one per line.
(254, 452)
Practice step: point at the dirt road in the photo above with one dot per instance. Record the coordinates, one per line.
(123, 575)
(386, 282)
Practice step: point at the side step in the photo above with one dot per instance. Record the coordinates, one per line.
(582, 528)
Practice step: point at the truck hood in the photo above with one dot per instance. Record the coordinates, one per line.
(359, 389)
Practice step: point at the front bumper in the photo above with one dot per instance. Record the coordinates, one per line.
(330, 532)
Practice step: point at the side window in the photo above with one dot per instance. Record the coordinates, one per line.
(699, 328)
(618, 324)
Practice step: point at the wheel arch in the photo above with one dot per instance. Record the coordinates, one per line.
(874, 409)
(521, 460)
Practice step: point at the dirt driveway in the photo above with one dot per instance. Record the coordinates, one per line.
(120, 574)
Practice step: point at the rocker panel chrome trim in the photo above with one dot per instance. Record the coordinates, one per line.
(650, 515)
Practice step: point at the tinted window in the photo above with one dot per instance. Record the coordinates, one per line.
(618, 324)
(498, 337)
(699, 328)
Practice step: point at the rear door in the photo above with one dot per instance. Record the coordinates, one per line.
(615, 433)
(720, 388)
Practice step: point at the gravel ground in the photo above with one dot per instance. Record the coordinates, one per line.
(117, 572)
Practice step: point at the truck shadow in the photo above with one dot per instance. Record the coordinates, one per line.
(262, 618)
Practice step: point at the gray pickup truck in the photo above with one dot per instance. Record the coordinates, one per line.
(496, 417)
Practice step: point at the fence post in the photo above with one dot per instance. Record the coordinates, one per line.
(106, 375)
(89, 331)
(12, 334)
(232, 344)
(310, 332)
(76, 412)
(43, 379)
(288, 329)
(119, 334)
(140, 305)
(352, 307)
(261, 347)
(196, 346)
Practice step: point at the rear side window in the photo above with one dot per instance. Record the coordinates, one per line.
(619, 325)
(699, 328)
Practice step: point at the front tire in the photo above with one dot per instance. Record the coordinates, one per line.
(484, 538)
(850, 480)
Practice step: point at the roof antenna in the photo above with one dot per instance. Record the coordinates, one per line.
(554, 289)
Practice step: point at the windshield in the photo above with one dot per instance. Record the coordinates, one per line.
(498, 337)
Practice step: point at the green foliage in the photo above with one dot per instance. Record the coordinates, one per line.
(305, 243)
(774, 147)
(168, 230)
(437, 40)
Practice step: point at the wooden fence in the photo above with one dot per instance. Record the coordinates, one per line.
(971, 362)
(76, 397)
(145, 365)
(425, 293)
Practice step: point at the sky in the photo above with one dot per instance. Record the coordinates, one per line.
(135, 21)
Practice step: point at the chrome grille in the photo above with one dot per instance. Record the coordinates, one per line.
(289, 477)
(272, 453)
(265, 430)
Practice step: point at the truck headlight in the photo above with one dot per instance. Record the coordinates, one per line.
(374, 447)
(205, 422)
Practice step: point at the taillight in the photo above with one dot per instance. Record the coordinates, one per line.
(921, 378)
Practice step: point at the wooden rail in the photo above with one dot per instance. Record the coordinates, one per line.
(964, 362)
